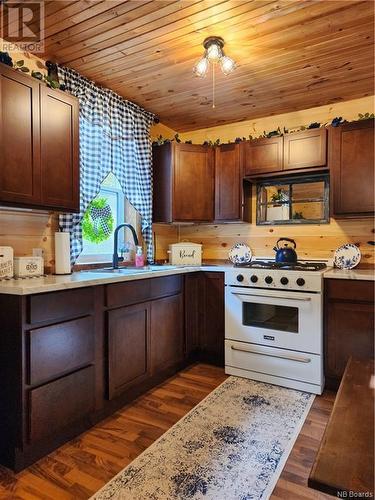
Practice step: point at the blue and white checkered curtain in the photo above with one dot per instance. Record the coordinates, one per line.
(114, 137)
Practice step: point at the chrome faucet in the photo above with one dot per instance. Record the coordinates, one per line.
(115, 243)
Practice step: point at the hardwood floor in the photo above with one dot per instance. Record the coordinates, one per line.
(81, 467)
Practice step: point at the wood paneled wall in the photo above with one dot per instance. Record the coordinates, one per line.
(25, 230)
(313, 240)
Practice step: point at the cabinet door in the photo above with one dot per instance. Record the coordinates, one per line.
(166, 332)
(349, 325)
(162, 164)
(128, 347)
(351, 161)
(59, 150)
(305, 149)
(350, 328)
(227, 182)
(212, 336)
(19, 138)
(193, 312)
(193, 189)
(262, 156)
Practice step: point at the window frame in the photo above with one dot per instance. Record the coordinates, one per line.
(101, 258)
(305, 179)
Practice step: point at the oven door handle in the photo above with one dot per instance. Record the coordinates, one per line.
(293, 297)
(299, 359)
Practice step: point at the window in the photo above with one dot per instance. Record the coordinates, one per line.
(303, 200)
(112, 209)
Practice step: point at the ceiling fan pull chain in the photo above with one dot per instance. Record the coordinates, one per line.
(213, 86)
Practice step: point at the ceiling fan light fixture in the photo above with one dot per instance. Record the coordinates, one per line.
(213, 55)
(227, 65)
(214, 52)
(201, 67)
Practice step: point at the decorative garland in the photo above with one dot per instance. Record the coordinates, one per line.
(51, 81)
(336, 122)
(98, 222)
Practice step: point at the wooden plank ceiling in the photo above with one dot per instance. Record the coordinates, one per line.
(291, 54)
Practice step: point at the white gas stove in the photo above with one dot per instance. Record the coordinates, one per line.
(274, 323)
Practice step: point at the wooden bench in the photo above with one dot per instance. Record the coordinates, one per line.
(345, 460)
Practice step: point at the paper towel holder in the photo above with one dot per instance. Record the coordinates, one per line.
(62, 253)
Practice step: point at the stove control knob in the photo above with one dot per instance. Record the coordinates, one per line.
(240, 277)
(284, 280)
(268, 280)
(254, 278)
(300, 282)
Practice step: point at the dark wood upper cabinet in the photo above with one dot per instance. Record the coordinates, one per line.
(19, 138)
(262, 156)
(183, 183)
(305, 149)
(59, 149)
(228, 183)
(351, 161)
(39, 159)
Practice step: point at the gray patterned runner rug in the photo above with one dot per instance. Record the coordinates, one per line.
(231, 446)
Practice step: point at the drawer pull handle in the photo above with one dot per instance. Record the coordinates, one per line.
(291, 298)
(299, 359)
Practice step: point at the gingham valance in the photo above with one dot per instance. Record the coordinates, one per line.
(114, 137)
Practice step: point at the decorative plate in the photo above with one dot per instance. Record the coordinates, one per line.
(240, 254)
(347, 256)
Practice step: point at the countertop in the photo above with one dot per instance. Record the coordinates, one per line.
(352, 274)
(81, 279)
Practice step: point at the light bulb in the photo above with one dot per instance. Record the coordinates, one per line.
(201, 67)
(227, 65)
(214, 52)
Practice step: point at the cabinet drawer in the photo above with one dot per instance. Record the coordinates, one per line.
(350, 290)
(261, 359)
(57, 349)
(134, 292)
(166, 285)
(60, 305)
(127, 293)
(61, 403)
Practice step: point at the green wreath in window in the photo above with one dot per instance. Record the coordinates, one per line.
(97, 223)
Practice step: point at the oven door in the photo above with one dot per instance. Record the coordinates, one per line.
(284, 319)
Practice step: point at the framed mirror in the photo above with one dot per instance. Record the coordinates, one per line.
(293, 200)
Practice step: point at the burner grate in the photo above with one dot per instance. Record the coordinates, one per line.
(299, 266)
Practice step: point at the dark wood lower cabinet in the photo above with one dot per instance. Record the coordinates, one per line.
(70, 358)
(212, 333)
(193, 313)
(204, 317)
(128, 347)
(167, 328)
(349, 325)
(58, 404)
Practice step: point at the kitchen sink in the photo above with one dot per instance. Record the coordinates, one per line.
(132, 270)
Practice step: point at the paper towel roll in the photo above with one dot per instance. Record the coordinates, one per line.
(62, 253)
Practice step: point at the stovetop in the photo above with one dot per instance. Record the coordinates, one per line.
(298, 266)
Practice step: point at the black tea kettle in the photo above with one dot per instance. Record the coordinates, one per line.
(285, 253)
